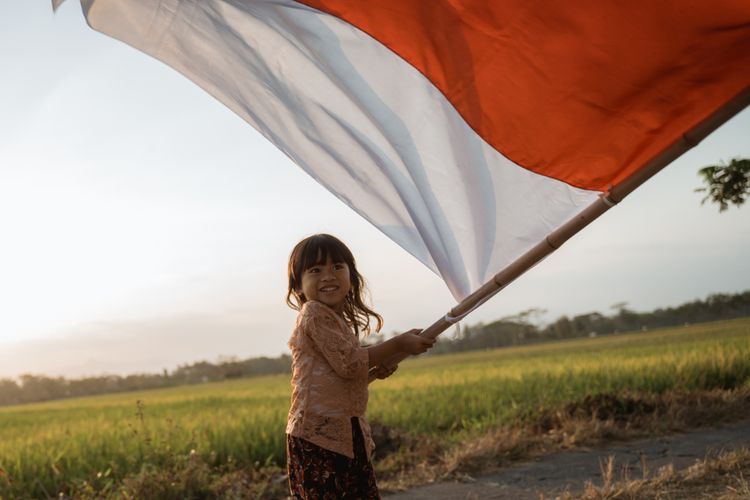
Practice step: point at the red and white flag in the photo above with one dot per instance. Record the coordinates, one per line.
(465, 130)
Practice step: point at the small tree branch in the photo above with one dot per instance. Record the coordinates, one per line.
(726, 183)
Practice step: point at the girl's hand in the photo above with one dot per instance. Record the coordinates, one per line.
(411, 343)
(385, 370)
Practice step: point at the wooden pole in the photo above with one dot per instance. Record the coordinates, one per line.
(605, 202)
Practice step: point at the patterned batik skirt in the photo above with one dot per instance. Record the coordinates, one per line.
(319, 474)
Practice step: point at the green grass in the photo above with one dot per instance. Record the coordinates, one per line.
(45, 446)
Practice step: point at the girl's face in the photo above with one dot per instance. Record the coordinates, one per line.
(328, 283)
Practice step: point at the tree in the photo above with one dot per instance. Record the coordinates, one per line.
(726, 183)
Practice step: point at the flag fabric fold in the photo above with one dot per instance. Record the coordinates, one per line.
(466, 131)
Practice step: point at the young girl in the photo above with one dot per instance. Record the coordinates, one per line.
(329, 448)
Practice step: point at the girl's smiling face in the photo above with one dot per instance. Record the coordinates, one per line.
(328, 283)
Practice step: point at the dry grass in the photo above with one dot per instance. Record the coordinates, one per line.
(182, 478)
(603, 418)
(723, 476)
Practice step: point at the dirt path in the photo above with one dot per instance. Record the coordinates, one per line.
(552, 474)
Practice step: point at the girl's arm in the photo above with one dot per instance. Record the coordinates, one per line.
(382, 371)
(408, 343)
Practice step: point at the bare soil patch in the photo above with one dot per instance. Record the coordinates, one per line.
(565, 474)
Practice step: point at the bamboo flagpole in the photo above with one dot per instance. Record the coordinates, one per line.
(606, 201)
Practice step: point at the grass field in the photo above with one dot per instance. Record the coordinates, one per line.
(45, 448)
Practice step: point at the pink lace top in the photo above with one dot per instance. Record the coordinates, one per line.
(329, 381)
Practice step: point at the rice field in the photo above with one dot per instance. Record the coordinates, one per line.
(45, 446)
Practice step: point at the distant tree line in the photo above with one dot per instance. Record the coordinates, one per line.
(30, 388)
(521, 328)
(515, 330)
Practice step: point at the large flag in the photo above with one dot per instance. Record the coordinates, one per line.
(467, 131)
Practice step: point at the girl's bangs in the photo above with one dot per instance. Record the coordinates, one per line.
(318, 249)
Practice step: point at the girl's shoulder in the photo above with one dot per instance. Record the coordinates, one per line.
(314, 313)
(312, 317)
(314, 308)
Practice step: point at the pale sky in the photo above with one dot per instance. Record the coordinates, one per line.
(143, 225)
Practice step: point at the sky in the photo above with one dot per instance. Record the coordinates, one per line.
(143, 225)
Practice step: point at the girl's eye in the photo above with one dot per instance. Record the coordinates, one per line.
(313, 270)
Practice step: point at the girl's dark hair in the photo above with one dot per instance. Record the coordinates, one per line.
(315, 250)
